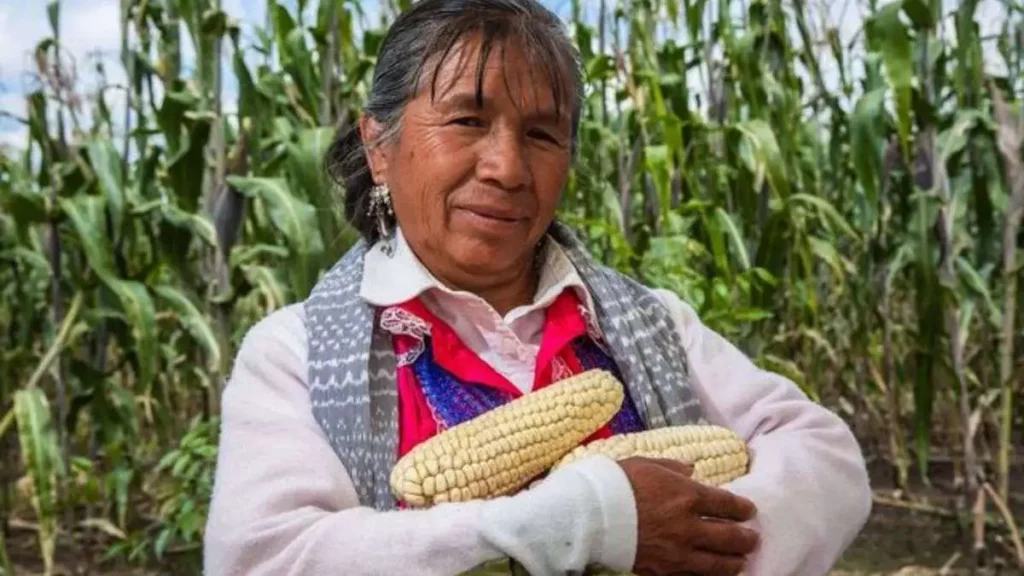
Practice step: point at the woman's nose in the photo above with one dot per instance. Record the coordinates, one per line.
(503, 161)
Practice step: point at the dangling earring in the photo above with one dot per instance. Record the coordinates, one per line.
(381, 209)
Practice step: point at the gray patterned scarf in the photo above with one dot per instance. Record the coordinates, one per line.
(352, 365)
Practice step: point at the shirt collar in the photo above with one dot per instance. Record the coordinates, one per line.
(394, 274)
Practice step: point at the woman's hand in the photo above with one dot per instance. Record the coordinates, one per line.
(685, 527)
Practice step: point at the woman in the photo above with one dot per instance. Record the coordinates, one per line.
(467, 293)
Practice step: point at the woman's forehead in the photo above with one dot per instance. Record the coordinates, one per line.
(503, 69)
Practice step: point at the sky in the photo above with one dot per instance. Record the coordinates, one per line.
(90, 30)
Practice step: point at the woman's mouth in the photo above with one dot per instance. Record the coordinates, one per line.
(489, 217)
(492, 215)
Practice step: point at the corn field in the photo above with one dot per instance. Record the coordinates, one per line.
(845, 208)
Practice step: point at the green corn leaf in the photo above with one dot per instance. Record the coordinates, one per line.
(673, 128)
(39, 132)
(953, 140)
(905, 256)
(198, 223)
(106, 164)
(976, 285)
(694, 17)
(40, 454)
(146, 185)
(118, 482)
(171, 117)
(214, 23)
(269, 284)
(251, 103)
(716, 236)
(27, 207)
(53, 14)
(86, 216)
(767, 153)
(177, 229)
(887, 34)
(194, 322)
(296, 60)
(827, 253)
(867, 142)
(186, 168)
(821, 342)
(828, 212)
(920, 13)
(162, 541)
(36, 261)
(600, 68)
(305, 165)
(771, 251)
(246, 255)
(732, 232)
(659, 164)
(610, 203)
(283, 23)
(299, 65)
(989, 191)
(295, 220)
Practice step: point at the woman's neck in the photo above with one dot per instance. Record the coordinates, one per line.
(503, 291)
(509, 295)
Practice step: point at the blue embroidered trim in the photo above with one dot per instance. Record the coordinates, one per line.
(627, 420)
(454, 402)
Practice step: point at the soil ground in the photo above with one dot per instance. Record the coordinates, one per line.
(919, 534)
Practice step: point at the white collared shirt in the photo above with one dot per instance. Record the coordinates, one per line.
(284, 503)
(508, 344)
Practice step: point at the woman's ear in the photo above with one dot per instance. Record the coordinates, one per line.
(376, 158)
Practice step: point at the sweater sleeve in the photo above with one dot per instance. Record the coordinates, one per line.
(284, 504)
(807, 478)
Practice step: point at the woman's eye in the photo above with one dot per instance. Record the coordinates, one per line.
(471, 121)
(541, 134)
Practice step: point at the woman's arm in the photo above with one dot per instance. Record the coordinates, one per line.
(284, 504)
(808, 476)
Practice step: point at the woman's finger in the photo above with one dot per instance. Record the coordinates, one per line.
(718, 503)
(676, 466)
(723, 537)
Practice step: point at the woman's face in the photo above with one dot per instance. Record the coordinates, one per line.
(475, 187)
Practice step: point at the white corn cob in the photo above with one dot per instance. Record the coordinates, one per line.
(718, 454)
(501, 450)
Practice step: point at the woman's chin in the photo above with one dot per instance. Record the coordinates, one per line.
(487, 256)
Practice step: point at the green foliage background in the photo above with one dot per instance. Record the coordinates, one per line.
(857, 234)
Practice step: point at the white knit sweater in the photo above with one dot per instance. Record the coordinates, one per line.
(283, 503)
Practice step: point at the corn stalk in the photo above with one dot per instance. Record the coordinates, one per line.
(1011, 144)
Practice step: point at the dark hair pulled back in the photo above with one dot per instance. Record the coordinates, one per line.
(432, 28)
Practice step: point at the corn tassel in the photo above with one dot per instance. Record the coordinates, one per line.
(500, 451)
(718, 455)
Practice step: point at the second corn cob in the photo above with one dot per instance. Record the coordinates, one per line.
(718, 454)
(501, 450)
